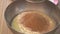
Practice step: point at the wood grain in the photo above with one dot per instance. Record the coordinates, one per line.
(3, 27)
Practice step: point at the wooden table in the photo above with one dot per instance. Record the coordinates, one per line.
(3, 27)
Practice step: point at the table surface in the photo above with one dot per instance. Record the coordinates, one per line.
(3, 27)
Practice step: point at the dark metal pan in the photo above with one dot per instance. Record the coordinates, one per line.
(17, 6)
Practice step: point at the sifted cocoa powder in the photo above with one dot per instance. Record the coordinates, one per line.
(35, 22)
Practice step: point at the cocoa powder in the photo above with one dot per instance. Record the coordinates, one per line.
(35, 21)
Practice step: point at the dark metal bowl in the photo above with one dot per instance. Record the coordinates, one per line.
(16, 7)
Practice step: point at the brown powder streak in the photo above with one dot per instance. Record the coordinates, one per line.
(35, 22)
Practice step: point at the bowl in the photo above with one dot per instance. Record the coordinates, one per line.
(17, 7)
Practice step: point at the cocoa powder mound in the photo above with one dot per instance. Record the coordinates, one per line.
(35, 22)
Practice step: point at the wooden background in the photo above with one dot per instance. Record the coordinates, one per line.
(3, 27)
